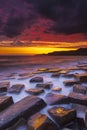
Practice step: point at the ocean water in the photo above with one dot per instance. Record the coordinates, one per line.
(15, 65)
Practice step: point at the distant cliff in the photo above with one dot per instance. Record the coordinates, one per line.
(81, 51)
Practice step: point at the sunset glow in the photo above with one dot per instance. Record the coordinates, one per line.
(29, 50)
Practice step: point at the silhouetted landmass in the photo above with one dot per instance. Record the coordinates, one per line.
(81, 51)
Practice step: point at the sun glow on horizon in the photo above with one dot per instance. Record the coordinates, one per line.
(30, 50)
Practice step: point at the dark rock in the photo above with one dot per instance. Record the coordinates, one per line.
(5, 101)
(52, 98)
(36, 79)
(68, 75)
(16, 88)
(80, 123)
(79, 89)
(24, 108)
(3, 89)
(47, 85)
(57, 89)
(78, 98)
(62, 115)
(35, 91)
(81, 77)
(41, 122)
(4, 86)
(21, 122)
(86, 119)
(70, 82)
(55, 74)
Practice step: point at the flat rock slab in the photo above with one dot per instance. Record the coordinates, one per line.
(62, 115)
(52, 70)
(4, 86)
(57, 89)
(68, 75)
(52, 98)
(5, 101)
(56, 74)
(41, 122)
(79, 89)
(44, 85)
(35, 91)
(63, 71)
(25, 76)
(71, 82)
(36, 79)
(16, 88)
(22, 109)
(21, 122)
(81, 77)
(78, 98)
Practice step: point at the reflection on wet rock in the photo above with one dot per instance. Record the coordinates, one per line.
(62, 115)
(41, 122)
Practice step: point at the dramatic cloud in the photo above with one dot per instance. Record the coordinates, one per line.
(15, 16)
(67, 16)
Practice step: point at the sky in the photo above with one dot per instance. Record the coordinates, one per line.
(42, 26)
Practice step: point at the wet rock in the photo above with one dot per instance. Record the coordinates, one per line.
(5, 101)
(79, 89)
(3, 90)
(41, 122)
(80, 123)
(43, 70)
(68, 75)
(21, 122)
(55, 74)
(16, 88)
(4, 86)
(52, 70)
(10, 76)
(24, 108)
(78, 98)
(25, 76)
(52, 98)
(35, 91)
(81, 77)
(47, 85)
(86, 119)
(62, 115)
(72, 68)
(70, 82)
(36, 79)
(63, 71)
(83, 66)
(57, 89)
